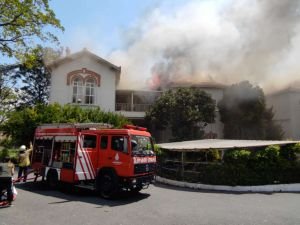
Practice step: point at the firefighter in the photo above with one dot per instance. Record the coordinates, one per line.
(24, 162)
(7, 169)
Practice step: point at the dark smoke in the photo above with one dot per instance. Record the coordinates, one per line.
(219, 41)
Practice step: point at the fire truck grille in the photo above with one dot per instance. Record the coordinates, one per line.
(144, 168)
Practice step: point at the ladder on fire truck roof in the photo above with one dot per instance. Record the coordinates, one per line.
(77, 125)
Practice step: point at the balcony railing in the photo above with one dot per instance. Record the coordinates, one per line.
(123, 107)
(85, 106)
(132, 107)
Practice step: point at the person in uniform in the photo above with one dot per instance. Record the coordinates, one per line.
(24, 162)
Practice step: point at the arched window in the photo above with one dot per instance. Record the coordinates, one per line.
(90, 91)
(77, 90)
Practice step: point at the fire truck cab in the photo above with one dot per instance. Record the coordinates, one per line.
(94, 156)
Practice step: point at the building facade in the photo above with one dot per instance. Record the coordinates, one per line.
(85, 79)
(286, 107)
(88, 80)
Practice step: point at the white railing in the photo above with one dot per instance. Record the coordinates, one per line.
(132, 107)
(123, 107)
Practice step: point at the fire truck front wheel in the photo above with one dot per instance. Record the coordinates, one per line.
(136, 190)
(52, 179)
(107, 184)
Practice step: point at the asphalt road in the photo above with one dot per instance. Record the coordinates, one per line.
(157, 205)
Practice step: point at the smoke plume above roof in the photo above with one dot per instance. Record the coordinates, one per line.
(223, 41)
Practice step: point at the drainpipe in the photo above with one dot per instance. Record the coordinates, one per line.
(131, 106)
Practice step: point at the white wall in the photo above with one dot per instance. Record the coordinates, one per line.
(281, 103)
(105, 94)
(295, 114)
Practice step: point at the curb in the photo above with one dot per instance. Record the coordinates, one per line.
(260, 188)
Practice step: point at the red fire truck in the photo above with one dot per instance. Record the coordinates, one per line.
(94, 156)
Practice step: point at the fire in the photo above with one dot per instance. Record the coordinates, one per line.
(154, 82)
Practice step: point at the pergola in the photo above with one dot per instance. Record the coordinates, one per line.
(222, 144)
(205, 145)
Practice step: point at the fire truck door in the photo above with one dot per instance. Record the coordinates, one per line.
(103, 152)
(119, 154)
(87, 157)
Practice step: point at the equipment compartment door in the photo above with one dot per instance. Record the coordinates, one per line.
(87, 157)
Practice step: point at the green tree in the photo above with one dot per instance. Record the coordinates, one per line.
(8, 92)
(245, 115)
(21, 22)
(21, 124)
(35, 80)
(273, 131)
(186, 110)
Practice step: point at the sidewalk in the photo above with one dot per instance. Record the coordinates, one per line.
(260, 188)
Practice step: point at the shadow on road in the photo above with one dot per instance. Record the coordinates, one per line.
(68, 193)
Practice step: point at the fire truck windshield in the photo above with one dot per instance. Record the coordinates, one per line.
(141, 145)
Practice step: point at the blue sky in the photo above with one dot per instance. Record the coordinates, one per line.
(99, 25)
(224, 41)
(102, 23)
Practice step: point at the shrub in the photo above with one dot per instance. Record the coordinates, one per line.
(244, 167)
(289, 152)
(3, 154)
(11, 153)
(270, 153)
(236, 156)
(6, 143)
(157, 150)
(296, 147)
(20, 125)
(213, 155)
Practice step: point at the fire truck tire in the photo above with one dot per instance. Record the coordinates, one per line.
(52, 179)
(107, 184)
(135, 190)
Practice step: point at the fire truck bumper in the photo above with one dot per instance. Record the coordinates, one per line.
(139, 182)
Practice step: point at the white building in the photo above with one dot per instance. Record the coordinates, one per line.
(286, 107)
(88, 80)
